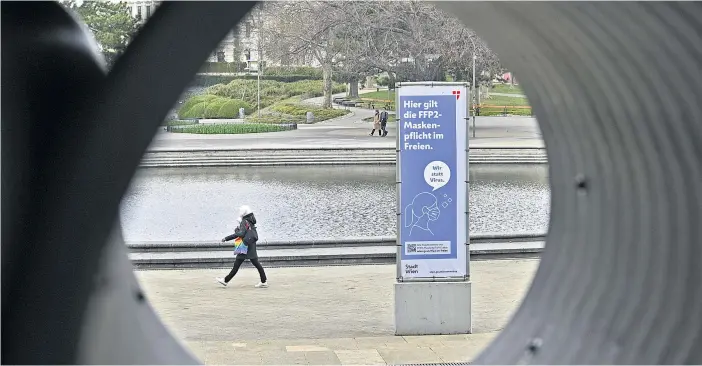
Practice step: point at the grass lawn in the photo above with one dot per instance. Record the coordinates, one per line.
(495, 100)
(507, 89)
(381, 95)
(505, 101)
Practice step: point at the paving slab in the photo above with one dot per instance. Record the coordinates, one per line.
(322, 315)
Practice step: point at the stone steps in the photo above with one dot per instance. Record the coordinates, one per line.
(321, 157)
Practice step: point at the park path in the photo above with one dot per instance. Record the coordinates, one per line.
(323, 315)
(350, 132)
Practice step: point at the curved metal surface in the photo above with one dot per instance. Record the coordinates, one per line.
(72, 140)
(616, 88)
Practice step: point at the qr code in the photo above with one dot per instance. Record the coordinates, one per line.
(411, 248)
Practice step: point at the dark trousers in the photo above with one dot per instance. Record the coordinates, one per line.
(238, 263)
(383, 131)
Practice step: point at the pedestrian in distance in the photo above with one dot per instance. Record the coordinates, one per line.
(376, 123)
(245, 237)
(383, 123)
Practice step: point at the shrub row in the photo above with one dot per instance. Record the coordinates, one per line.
(320, 114)
(275, 119)
(308, 72)
(231, 128)
(212, 106)
(223, 67)
(271, 91)
(311, 73)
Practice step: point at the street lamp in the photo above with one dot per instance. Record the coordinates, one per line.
(258, 87)
(475, 56)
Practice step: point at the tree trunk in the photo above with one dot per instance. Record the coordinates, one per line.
(391, 80)
(353, 88)
(327, 76)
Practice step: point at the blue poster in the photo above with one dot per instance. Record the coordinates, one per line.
(432, 175)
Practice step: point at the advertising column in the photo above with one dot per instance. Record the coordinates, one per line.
(433, 209)
(433, 176)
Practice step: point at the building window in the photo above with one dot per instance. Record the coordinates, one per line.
(247, 53)
(248, 29)
(220, 56)
(139, 12)
(148, 11)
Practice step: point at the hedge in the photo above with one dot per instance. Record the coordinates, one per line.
(231, 108)
(275, 119)
(320, 114)
(310, 73)
(196, 111)
(192, 101)
(271, 91)
(231, 128)
(212, 106)
(223, 67)
(208, 80)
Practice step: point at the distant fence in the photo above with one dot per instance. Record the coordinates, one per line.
(481, 109)
(503, 110)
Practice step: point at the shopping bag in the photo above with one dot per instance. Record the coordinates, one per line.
(240, 247)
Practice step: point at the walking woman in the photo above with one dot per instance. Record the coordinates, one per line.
(376, 123)
(246, 231)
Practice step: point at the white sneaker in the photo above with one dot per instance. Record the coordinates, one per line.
(262, 285)
(221, 281)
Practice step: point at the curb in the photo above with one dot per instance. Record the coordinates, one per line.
(316, 260)
(377, 241)
(363, 251)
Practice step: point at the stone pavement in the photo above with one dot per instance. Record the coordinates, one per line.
(322, 315)
(352, 132)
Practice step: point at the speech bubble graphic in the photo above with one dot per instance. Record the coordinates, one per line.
(437, 174)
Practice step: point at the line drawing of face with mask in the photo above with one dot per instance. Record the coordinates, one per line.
(423, 209)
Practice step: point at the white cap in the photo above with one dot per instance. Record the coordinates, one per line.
(244, 210)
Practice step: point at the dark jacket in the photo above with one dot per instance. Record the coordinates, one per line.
(241, 231)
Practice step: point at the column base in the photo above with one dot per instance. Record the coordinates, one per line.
(430, 308)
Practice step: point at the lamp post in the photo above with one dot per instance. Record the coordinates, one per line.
(258, 88)
(474, 57)
(474, 90)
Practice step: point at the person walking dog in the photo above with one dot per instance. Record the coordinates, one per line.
(245, 237)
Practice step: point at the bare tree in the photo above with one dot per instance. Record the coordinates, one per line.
(303, 28)
(412, 40)
(408, 40)
(257, 18)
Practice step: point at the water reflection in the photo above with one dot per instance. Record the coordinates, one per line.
(315, 202)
